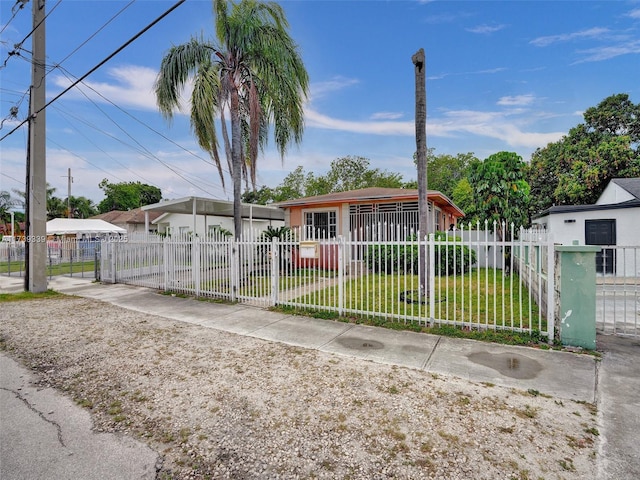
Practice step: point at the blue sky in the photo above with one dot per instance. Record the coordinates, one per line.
(501, 75)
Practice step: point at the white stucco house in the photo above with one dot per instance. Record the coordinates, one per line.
(203, 216)
(614, 220)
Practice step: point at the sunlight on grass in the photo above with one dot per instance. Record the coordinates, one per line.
(477, 298)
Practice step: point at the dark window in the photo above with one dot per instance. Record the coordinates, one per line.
(602, 232)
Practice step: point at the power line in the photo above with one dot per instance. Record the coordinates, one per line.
(93, 34)
(20, 4)
(143, 124)
(18, 46)
(118, 50)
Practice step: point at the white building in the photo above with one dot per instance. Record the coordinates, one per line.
(202, 216)
(614, 220)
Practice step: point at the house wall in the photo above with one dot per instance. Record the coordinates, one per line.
(176, 223)
(295, 215)
(614, 194)
(569, 226)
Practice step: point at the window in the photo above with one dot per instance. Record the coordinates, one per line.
(320, 224)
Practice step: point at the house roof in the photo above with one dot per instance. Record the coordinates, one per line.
(372, 194)
(126, 216)
(631, 185)
(209, 206)
(587, 208)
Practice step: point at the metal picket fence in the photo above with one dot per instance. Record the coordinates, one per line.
(475, 281)
(618, 290)
(65, 256)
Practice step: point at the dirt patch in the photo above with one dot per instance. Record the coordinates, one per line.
(219, 405)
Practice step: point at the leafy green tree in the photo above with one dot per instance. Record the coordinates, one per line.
(6, 203)
(55, 207)
(127, 195)
(254, 72)
(81, 207)
(346, 173)
(500, 191)
(353, 173)
(577, 168)
(463, 198)
(445, 171)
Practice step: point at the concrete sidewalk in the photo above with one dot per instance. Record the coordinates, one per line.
(563, 375)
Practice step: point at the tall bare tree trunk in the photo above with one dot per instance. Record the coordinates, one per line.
(418, 60)
(236, 159)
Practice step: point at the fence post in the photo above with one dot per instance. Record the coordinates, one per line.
(165, 262)
(577, 298)
(234, 268)
(341, 253)
(195, 264)
(275, 270)
(432, 277)
(551, 288)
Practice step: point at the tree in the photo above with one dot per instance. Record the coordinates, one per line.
(6, 203)
(254, 73)
(500, 191)
(81, 207)
(463, 198)
(127, 195)
(346, 173)
(418, 60)
(55, 207)
(577, 168)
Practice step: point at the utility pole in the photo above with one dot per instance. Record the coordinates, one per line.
(419, 62)
(36, 178)
(69, 182)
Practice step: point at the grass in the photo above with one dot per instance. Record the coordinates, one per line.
(479, 301)
(52, 270)
(17, 297)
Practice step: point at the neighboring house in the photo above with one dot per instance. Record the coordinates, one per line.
(133, 221)
(613, 220)
(203, 216)
(367, 214)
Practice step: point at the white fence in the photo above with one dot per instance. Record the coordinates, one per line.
(348, 277)
(618, 291)
(64, 257)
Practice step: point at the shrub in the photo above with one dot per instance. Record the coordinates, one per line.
(403, 258)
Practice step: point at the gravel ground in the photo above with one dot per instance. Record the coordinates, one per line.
(218, 405)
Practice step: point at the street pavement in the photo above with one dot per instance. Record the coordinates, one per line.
(614, 383)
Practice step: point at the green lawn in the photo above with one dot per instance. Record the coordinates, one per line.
(478, 297)
(52, 269)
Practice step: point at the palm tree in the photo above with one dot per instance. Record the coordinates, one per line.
(254, 73)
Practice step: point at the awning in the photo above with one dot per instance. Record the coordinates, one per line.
(65, 226)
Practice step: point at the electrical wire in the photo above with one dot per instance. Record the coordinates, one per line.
(109, 57)
(14, 12)
(208, 162)
(18, 46)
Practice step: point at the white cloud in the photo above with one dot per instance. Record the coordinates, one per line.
(517, 100)
(387, 115)
(634, 13)
(132, 87)
(319, 89)
(485, 29)
(495, 125)
(489, 71)
(605, 53)
(596, 32)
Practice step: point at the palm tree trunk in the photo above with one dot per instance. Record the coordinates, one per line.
(418, 60)
(236, 155)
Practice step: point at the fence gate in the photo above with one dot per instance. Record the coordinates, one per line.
(618, 291)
